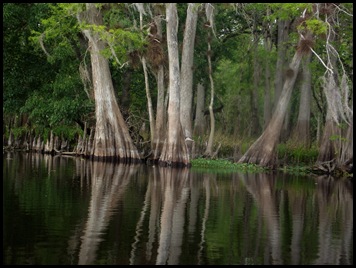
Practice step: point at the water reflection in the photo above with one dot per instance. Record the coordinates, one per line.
(108, 185)
(84, 212)
(263, 189)
(334, 202)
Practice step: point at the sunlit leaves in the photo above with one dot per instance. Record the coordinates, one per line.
(316, 26)
(287, 11)
(58, 30)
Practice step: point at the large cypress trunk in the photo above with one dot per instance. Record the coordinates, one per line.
(161, 111)
(263, 150)
(335, 148)
(283, 31)
(329, 147)
(186, 92)
(174, 150)
(301, 134)
(112, 140)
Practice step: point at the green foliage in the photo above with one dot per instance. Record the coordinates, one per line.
(19, 131)
(288, 11)
(292, 154)
(225, 164)
(50, 91)
(337, 138)
(316, 26)
(69, 133)
(23, 68)
(119, 32)
(58, 32)
(297, 170)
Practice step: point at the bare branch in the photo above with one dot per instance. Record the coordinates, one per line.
(342, 10)
(42, 45)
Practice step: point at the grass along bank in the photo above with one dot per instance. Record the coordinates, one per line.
(291, 158)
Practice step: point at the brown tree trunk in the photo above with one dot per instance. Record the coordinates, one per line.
(149, 102)
(174, 150)
(329, 146)
(301, 134)
(199, 123)
(347, 149)
(161, 113)
(255, 122)
(209, 147)
(125, 96)
(283, 30)
(148, 94)
(267, 90)
(334, 145)
(186, 92)
(263, 150)
(112, 139)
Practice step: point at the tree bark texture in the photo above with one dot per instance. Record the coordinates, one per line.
(329, 146)
(301, 134)
(112, 140)
(267, 89)
(255, 122)
(161, 112)
(263, 150)
(334, 145)
(199, 123)
(283, 30)
(174, 150)
(148, 94)
(149, 102)
(209, 147)
(186, 92)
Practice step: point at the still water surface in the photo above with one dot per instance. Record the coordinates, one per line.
(64, 210)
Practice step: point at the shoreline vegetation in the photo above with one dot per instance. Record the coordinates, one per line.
(290, 157)
(244, 86)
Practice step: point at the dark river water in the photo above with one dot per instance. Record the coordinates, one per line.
(64, 210)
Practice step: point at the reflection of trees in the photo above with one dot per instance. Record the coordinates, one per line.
(252, 220)
(165, 199)
(207, 181)
(193, 206)
(297, 200)
(108, 184)
(156, 199)
(172, 217)
(335, 202)
(262, 188)
(148, 195)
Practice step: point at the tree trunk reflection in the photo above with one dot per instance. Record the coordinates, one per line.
(172, 217)
(263, 190)
(330, 194)
(108, 182)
